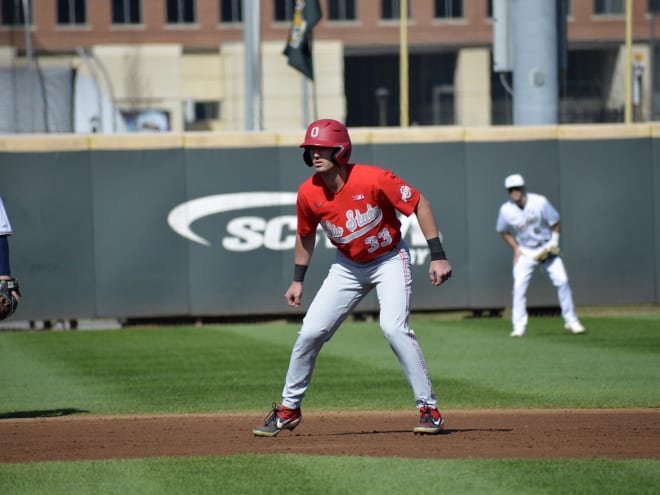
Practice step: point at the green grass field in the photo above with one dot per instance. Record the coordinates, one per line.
(473, 364)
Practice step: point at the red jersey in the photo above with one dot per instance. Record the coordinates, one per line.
(360, 219)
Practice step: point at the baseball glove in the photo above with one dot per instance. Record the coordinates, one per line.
(547, 253)
(8, 303)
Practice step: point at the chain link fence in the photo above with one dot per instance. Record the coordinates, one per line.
(36, 100)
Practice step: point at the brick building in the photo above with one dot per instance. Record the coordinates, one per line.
(185, 60)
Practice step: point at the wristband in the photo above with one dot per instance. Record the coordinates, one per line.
(437, 251)
(299, 272)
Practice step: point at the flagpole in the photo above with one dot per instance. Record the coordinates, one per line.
(315, 101)
(403, 64)
(314, 94)
(305, 101)
(627, 108)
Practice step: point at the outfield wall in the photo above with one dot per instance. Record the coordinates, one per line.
(203, 224)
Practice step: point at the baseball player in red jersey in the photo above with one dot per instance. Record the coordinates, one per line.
(356, 207)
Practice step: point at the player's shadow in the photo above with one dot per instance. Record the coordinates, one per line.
(449, 431)
(446, 431)
(41, 413)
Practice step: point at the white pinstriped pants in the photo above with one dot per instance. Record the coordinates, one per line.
(345, 286)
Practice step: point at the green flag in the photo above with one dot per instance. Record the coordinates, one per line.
(299, 45)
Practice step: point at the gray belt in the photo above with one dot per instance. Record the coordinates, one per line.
(538, 244)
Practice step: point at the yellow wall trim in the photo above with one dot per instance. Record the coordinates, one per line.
(362, 135)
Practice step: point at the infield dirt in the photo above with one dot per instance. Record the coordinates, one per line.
(612, 433)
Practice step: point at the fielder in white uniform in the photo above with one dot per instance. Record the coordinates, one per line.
(529, 224)
(5, 232)
(356, 206)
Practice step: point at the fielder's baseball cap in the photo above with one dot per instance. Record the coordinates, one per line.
(515, 180)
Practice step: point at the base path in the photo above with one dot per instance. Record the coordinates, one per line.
(614, 434)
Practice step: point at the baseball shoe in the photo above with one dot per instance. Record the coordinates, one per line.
(430, 421)
(517, 332)
(280, 418)
(575, 327)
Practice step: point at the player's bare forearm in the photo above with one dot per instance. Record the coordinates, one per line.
(511, 242)
(425, 218)
(303, 251)
(440, 269)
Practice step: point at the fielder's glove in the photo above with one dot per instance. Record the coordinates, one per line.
(8, 302)
(551, 249)
(547, 253)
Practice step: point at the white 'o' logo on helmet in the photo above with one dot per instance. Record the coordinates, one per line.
(314, 132)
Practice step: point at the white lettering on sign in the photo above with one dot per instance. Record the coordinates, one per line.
(184, 215)
(249, 233)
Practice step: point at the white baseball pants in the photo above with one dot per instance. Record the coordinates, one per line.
(345, 286)
(522, 274)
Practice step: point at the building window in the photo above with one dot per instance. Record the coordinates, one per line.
(180, 11)
(390, 9)
(283, 10)
(654, 6)
(231, 11)
(126, 12)
(13, 14)
(71, 12)
(199, 114)
(341, 10)
(569, 7)
(609, 7)
(207, 110)
(448, 8)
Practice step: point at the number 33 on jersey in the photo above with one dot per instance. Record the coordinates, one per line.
(359, 219)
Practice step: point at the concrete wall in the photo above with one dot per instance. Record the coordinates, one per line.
(472, 100)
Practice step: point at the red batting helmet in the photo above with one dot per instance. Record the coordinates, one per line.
(328, 133)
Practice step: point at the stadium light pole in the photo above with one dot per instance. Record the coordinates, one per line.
(252, 41)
